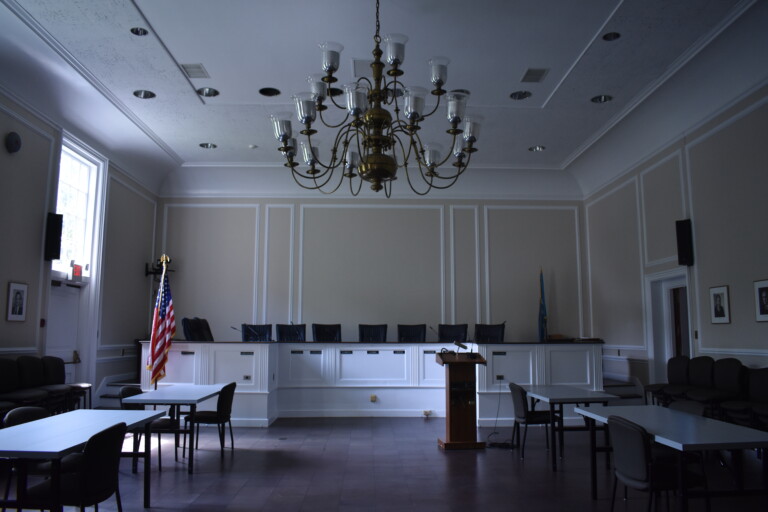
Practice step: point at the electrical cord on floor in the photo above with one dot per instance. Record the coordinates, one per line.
(504, 444)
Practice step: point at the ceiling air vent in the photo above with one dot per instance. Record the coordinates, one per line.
(534, 75)
(195, 71)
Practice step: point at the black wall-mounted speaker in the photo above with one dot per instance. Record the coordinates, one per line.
(684, 242)
(53, 225)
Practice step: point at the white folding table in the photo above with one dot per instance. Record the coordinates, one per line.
(680, 430)
(56, 436)
(177, 395)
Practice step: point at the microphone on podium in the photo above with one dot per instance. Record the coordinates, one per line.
(460, 345)
(235, 328)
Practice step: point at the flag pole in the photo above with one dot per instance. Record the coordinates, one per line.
(158, 324)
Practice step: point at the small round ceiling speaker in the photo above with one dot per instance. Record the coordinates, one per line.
(12, 142)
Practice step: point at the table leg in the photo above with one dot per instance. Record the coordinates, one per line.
(553, 435)
(592, 456)
(683, 494)
(561, 429)
(190, 432)
(147, 466)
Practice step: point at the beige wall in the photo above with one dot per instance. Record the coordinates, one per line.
(25, 191)
(128, 245)
(391, 262)
(716, 176)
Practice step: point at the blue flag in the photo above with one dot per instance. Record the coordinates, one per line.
(542, 310)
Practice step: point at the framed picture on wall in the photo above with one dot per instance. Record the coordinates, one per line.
(719, 308)
(17, 302)
(761, 301)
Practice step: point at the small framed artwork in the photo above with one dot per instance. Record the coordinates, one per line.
(761, 301)
(720, 310)
(17, 302)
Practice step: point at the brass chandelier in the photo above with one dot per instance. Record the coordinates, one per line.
(371, 143)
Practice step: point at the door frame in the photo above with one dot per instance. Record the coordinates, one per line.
(659, 319)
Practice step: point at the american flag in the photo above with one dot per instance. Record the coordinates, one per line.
(163, 329)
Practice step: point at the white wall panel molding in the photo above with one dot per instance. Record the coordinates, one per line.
(306, 212)
(266, 274)
(577, 258)
(631, 182)
(676, 155)
(478, 297)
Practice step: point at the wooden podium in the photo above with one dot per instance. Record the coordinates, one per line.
(460, 401)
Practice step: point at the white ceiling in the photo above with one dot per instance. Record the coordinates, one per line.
(78, 63)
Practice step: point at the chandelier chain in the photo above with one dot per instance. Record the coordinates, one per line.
(377, 37)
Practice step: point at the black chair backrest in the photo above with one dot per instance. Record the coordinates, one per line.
(448, 333)
(196, 329)
(326, 332)
(700, 371)
(372, 333)
(127, 391)
(677, 370)
(412, 333)
(31, 371)
(53, 368)
(729, 374)
(519, 402)
(224, 403)
(489, 333)
(631, 450)
(291, 332)
(254, 332)
(100, 465)
(757, 389)
(24, 414)
(9, 375)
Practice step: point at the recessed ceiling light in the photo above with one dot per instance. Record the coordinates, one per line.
(611, 36)
(144, 94)
(520, 95)
(208, 145)
(207, 92)
(601, 98)
(139, 31)
(537, 149)
(269, 91)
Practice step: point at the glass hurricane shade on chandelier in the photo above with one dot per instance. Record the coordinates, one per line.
(371, 144)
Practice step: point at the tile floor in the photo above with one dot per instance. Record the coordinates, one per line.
(388, 464)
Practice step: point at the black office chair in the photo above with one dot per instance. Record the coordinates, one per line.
(220, 417)
(292, 332)
(326, 332)
(18, 416)
(640, 467)
(55, 374)
(524, 416)
(164, 425)
(412, 333)
(196, 329)
(32, 376)
(448, 333)
(372, 333)
(95, 478)
(489, 333)
(677, 379)
(254, 332)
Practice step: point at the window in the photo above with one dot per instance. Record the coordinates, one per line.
(78, 178)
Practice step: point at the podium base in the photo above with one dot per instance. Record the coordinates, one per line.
(460, 445)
